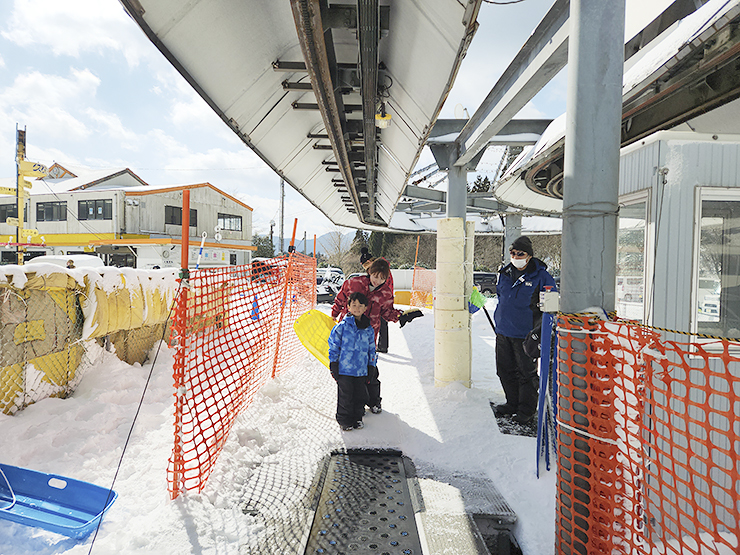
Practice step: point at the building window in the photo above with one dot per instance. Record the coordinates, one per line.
(173, 216)
(51, 211)
(630, 294)
(717, 285)
(100, 209)
(7, 211)
(229, 222)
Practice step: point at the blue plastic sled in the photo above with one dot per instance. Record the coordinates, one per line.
(56, 503)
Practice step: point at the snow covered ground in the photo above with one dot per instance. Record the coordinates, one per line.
(444, 431)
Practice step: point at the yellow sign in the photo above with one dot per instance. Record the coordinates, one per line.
(29, 232)
(32, 169)
(12, 221)
(7, 191)
(23, 183)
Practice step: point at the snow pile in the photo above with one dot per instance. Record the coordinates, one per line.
(287, 429)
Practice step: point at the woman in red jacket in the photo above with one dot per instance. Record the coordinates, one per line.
(377, 286)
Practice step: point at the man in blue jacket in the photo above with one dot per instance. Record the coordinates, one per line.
(518, 289)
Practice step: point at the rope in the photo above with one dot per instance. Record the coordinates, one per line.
(579, 431)
(136, 416)
(573, 318)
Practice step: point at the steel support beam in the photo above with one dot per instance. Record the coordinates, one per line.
(543, 55)
(318, 53)
(591, 174)
(368, 22)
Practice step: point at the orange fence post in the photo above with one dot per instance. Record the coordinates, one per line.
(283, 304)
(180, 326)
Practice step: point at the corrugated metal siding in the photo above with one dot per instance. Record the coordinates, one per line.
(689, 164)
(638, 168)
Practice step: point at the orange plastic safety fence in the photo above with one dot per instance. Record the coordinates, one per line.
(233, 332)
(648, 442)
(422, 287)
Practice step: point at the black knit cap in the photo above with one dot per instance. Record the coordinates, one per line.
(365, 255)
(522, 243)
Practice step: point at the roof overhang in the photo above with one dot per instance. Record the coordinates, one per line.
(309, 86)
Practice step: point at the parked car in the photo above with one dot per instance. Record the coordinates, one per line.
(326, 292)
(333, 275)
(485, 282)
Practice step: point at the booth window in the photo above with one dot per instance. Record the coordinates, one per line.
(717, 296)
(98, 209)
(229, 222)
(630, 294)
(51, 211)
(173, 216)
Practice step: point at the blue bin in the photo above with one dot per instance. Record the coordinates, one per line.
(55, 503)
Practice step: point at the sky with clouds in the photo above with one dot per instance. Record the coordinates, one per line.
(91, 90)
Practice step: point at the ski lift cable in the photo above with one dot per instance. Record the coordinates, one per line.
(138, 410)
(422, 170)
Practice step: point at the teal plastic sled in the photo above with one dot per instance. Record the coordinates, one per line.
(55, 503)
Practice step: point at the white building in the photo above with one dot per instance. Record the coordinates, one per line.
(125, 221)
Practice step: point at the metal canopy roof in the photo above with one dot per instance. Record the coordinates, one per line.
(308, 85)
(687, 81)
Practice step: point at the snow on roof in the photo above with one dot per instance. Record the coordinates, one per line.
(666, 53)
(551, 136)
(678, 41)
(84, 178)
(530, 224)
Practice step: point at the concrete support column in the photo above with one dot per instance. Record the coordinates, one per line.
(512, 230)
(451, 317)
(592, 140)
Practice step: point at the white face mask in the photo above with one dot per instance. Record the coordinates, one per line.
(519, 263)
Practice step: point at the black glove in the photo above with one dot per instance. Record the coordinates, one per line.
(409, 315)
(334, 369)
(364, 255)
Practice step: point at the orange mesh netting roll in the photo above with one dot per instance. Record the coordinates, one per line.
(422, 287)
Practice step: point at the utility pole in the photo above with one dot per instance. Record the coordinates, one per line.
(304, 242)
(282, 214)
(272, 244)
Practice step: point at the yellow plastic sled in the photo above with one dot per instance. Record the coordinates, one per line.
(313, 329)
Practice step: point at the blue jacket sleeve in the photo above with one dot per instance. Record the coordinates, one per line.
(335, 342)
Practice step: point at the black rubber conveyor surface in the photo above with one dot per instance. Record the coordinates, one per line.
(365, 508)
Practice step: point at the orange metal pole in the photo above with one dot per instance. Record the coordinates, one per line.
(288, 271)
(185, 229)
(314, 246)
(292, 239)
(178, 373)
(416, 256)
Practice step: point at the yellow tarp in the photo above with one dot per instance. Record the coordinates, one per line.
(11, 385)
(29, 331)
(123, 305)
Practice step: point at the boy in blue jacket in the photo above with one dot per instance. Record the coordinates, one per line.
(351, 355)
(518, 289)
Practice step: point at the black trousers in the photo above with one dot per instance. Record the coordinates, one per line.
(373, 387)
(518, 374)
(383, 337)
(351, 399)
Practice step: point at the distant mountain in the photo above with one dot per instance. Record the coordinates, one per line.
(324, 242)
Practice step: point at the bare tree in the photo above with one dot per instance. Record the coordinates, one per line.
(337, 251)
